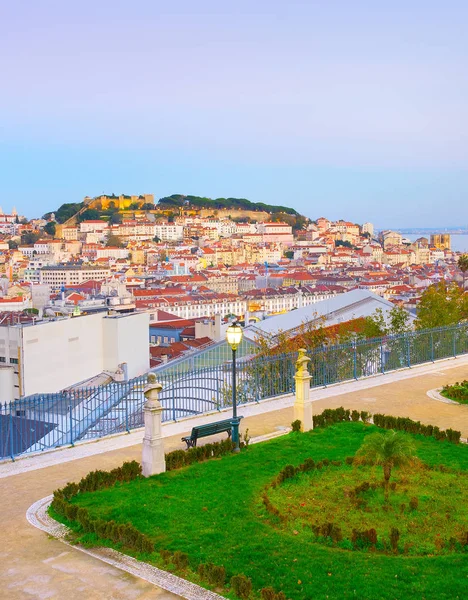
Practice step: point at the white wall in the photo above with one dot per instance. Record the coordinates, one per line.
(57, 354)
(7, 383)
(126, 340)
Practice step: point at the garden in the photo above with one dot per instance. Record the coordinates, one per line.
(457, 392)
(348, 510)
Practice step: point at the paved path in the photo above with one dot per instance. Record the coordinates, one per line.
(35, 567)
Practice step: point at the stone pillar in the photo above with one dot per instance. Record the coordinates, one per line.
(153, 460)
(302, 402)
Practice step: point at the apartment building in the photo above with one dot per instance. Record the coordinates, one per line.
(57, 276)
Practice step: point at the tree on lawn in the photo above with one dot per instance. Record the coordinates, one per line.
(463, 266)
(389, 449)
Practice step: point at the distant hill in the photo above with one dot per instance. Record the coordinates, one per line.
(179, 200)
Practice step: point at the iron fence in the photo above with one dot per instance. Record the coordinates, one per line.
(45, 421)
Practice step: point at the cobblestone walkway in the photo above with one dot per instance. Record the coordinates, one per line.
(36, 567)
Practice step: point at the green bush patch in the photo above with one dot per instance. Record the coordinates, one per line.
(457, 392)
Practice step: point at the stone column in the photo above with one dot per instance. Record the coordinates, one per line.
(302, 402)
(153, 460)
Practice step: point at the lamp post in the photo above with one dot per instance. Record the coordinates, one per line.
(234, 338)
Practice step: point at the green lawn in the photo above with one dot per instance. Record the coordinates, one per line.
(213, 511)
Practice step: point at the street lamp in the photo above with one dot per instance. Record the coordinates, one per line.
(234, 338)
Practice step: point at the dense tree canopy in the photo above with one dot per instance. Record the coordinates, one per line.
(66, 211)
(50, 228)
(442, 305)
(222, 203)
(396, 321)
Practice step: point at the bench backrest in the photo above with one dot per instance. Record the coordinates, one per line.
(211, 428)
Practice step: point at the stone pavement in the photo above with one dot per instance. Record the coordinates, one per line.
(35, 567)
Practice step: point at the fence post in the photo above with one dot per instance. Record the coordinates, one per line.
(302, 401)
(173, 401)
(12, 445)
(408, 352)
(454, 344)
(382, 361)
(126, 414)
(354, 360)
(432, 346)
(153, 459)
(71, 424)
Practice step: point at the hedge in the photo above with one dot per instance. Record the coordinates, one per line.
(338, 415)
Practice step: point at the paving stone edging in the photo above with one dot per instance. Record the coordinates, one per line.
(436, 395)
(38, 516)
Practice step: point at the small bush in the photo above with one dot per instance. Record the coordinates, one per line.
(180, 560)
(242, 586)
(414, 502)
(269, 593)
(182, 458)
(215, 575)
(166, 556)
(296, 425)
(394, 537)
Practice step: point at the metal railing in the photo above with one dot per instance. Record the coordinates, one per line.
(202, 384)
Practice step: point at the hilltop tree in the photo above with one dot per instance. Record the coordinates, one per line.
(90, 214)
(442, 305)
(50, 228)
(463, 266)
(389, 449)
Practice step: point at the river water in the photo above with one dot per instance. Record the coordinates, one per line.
(459, 240)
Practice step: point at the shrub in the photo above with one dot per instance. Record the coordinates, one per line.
(296, 425)
(213, 574)
(394, 537)
(180, 560)
(287, 472)
(242, 586)
(166, 556)
(182, 458)
(307, 465)
(414, 503)
(269, 593)
(365, 416)
(415, 427)
(355, 415)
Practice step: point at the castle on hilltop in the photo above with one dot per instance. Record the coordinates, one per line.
(122, 202)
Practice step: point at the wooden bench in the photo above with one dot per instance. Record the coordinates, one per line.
(209, 429)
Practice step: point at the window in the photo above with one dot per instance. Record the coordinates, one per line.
(2, 359)
(14, 361)
(153, 339)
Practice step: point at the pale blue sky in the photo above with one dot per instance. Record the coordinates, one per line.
(346, 109)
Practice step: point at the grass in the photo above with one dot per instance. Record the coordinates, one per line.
(458, 392)
(213, 512)
(325, 496)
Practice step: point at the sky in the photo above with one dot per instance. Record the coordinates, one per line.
(354, 110)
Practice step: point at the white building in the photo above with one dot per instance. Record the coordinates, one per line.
(93, 226)
(169, 231)
(368, 228)
(51, 355)
(70, 275)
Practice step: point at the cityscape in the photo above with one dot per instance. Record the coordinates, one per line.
(256, 389)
